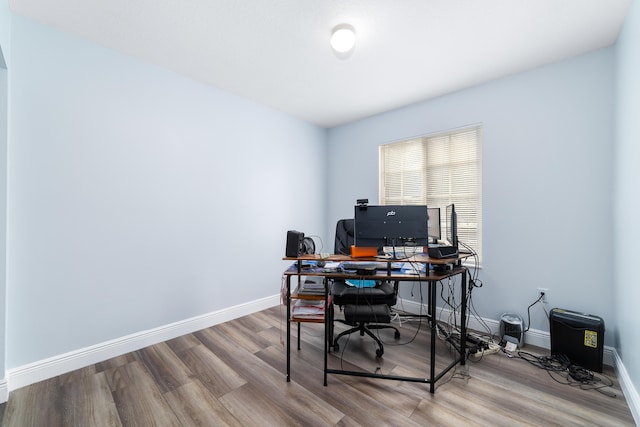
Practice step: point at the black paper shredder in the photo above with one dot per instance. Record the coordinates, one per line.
(579, 336)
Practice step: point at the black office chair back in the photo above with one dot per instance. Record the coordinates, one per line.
(345, 237)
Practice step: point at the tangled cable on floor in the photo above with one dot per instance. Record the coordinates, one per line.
(561, 370)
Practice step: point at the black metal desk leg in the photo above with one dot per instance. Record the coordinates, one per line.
(463, 319)
(434, 331)
(288, 328)
(328, 326)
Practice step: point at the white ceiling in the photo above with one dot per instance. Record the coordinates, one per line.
(276, 52)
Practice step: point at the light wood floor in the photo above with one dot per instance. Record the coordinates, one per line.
(234, 374)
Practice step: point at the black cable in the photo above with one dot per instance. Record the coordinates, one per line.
(476, 315)
(474, 282)
(529, 312)
(420, 315)
(563, 371)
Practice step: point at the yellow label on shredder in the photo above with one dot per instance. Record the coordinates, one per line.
(591, 339)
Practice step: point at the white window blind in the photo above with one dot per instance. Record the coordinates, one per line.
(437, 171)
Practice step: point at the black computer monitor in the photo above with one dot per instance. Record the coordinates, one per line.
(452, 225)
(391, 225)
(435, 233)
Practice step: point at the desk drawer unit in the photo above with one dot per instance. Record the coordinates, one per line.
(578, 336)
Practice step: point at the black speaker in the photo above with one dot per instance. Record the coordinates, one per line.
(295, 244)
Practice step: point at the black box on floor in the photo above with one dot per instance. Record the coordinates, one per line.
(578, 336)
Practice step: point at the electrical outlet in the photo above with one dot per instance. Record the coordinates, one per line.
(545, 294)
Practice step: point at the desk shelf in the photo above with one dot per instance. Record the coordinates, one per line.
(315, 300)
(297, 294)
(306, 320)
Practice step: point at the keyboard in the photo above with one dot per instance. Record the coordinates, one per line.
(370, 265)
(359, 265)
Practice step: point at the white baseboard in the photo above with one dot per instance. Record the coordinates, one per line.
(57, 365)
(630, 392)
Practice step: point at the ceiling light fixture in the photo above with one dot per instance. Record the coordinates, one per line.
(343, 40)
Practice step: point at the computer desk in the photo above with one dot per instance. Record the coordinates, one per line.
(432, 277)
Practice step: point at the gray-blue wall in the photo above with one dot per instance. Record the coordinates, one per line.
(4, 89)
(3, 207)
(626, 194)
(138, 198)
(547, 139)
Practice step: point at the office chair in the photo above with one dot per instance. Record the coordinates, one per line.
(364, 308)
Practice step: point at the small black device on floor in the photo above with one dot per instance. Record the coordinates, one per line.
(579, 336)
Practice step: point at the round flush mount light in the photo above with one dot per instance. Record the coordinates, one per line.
(343, 39)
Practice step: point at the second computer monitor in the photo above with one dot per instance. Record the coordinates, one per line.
(435, 233)
(452, 225)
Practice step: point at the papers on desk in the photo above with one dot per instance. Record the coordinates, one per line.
(311, 288)
(413, 268)
(331, 265)
(308, 309)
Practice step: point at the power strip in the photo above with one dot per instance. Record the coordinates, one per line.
(493, 348)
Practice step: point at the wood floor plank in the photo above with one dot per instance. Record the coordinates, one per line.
(347, 421)
(261, 412)
(270, 318)
(430, 413)
(27, 407)
(77, 375)
(218, 377)
(258, 322)
(138, 398)
(391, 395)
(244, 337)
(88, 401)
(274, 335)
(194, 405)
(167, 369)
(115, 362)
(183, 342)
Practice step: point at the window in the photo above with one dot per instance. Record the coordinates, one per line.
(436, 171)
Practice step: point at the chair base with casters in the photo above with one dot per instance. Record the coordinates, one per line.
(363, 318)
